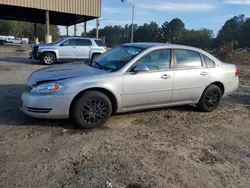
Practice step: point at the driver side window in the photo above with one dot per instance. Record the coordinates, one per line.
(69, 42)
(157, 60)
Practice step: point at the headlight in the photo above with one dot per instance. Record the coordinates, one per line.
(47, 88)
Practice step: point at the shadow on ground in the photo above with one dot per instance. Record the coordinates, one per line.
(26, 60)
(10, 113)
(238, 98)
(21, 60)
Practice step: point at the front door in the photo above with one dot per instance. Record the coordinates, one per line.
(151, 88)
(190, 76)
(83, 47)
(66, 49)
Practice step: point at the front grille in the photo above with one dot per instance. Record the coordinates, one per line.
(39, 110)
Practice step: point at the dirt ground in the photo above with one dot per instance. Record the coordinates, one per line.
(172, 147)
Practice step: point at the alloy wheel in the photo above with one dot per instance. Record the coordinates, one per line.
(212, 99)
(94, 111)
(48, 59)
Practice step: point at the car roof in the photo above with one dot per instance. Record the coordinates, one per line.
(144, 44)
(147, 45)
(78, 37)
(151, 45)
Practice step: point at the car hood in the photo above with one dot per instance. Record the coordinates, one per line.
(60, 72)
(42, 45)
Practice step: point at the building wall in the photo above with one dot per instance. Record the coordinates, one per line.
(81, 7)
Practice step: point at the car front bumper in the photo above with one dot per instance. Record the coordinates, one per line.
(34, 55)
(46, 106)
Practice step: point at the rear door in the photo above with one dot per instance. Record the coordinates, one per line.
(83, 47)
(190, 76)
(66, 49)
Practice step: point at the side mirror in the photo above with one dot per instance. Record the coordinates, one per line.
(141, 68)
(61, 44)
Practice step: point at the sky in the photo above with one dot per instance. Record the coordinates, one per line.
(196, 14)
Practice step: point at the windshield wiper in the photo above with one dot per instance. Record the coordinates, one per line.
(101, 67)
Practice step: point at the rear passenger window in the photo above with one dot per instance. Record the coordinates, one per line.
(99, 43)
(83, 42)
(187, 59)
(210, 63)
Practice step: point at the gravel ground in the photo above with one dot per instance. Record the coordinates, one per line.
(171, 147)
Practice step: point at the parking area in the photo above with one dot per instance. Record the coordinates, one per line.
(170, 147)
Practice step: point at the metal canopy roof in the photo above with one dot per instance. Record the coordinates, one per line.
(62, 12)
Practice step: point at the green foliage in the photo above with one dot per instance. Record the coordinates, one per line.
(164, 32)
(236, 28)
(26, 30)
(147, 33)
(175, 30)
(202, 38)
(244, 38)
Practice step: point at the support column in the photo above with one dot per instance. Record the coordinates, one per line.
(67, 30)
(75, 30)
(97, 28)
(48, 37)
(85, 29)
(36, 41)
(132, 32)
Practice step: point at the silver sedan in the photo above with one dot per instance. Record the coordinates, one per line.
(130, 77)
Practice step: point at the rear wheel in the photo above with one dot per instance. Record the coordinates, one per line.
(91, 110)
(48, 58)
(210, 99)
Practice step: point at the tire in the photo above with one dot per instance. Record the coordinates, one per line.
(48, 58)
(85, 112)
(94, 56)
(210, 99)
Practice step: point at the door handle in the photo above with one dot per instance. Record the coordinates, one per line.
(204, 73)
(165, 77)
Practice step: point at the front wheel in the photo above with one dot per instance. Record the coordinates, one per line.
(95, 56)
(210, 99)
(48, 58)
(91, 110)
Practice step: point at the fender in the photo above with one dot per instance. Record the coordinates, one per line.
(96, 51)
(41, 50)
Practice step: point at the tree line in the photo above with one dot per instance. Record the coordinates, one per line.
(26, 30)
(234, 29)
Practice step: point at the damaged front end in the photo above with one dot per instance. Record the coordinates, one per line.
(34, 54)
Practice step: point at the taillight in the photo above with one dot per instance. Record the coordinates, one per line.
(237, 72)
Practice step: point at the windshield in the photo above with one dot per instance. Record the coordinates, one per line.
(59, 40)
(117, 58)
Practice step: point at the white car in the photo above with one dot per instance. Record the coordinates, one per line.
(14, 41)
